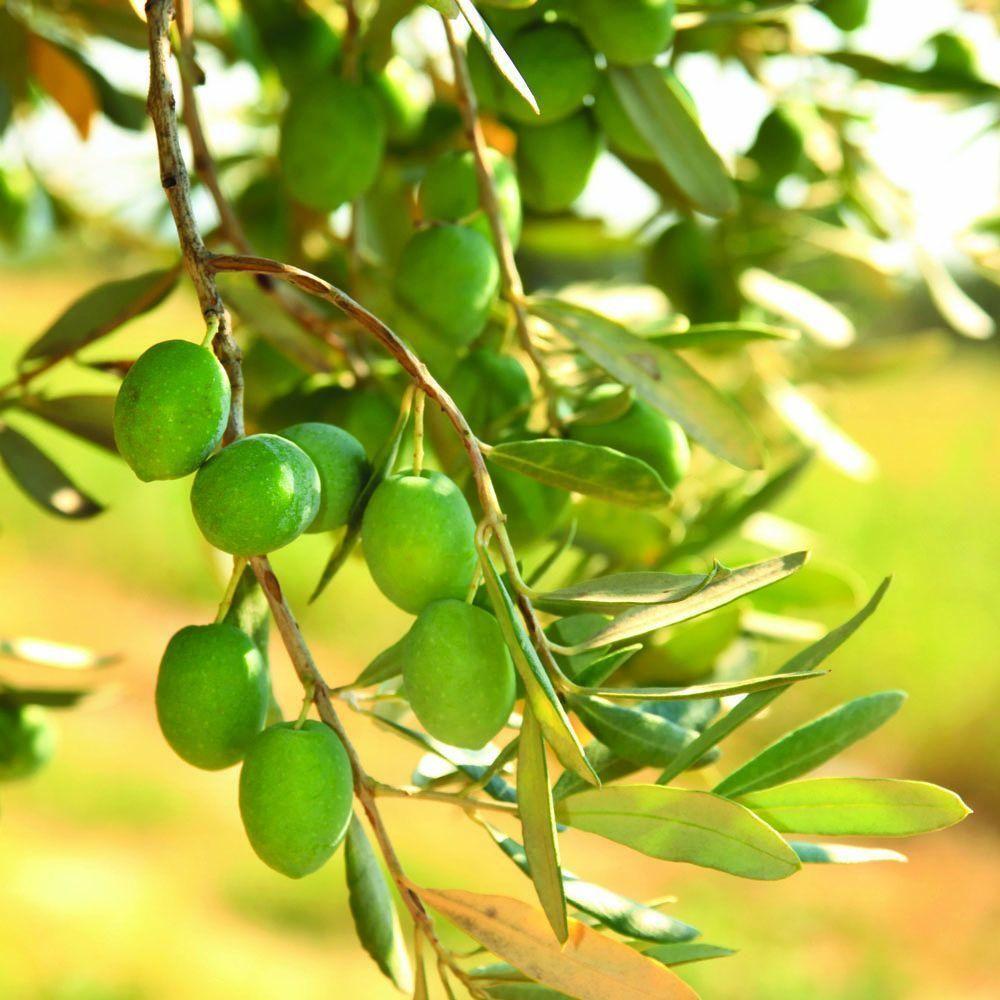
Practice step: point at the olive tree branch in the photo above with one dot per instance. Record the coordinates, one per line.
(513, 289)
(176, 184)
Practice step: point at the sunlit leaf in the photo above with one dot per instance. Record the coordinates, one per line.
(857, 807)
(679, 825)
(610, 594)
(64, 80)
(541, 844)
(46, 653)
(661, 377)
(962, 313)
(721, 335)
(795, 304)
(806, 659)
(41, 479)
(724, 588)
(805, 748)
(653, 100)
(100, 311)
(372, 907)
(584, 468)
(589, 966)
(385, 666)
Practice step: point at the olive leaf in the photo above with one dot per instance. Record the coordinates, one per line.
(717, 336)
(722, 589)
(653, 100)
(372, 908)
(538, 687)
(620, 914)
(675, 824)
(41, 479)
(101, 311)
(250, 612)
(590, 966)
(857, 807)
(89, 416)
(684, 952)
(805, 748)
(661, 377)
(385, 666)
(590, 469)
(58, 655)
(842, 854)
(498, 56)
(541, 843)
(620, 591)
(806, 659)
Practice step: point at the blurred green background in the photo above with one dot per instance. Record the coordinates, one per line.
(125, 874)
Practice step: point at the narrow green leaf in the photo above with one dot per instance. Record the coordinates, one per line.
(250, 612)
(541, 843)
(607, 765)
(661, 377)
(680, 825)
(100, 311)
(684, 952)
(375, 917)
(496, 52)
(621, 591)
(726, 587)
(385, 666)
(605, 666)
(626, 916)
(806, 659)
(805, 748)
(713, 689)
(721, 335)
(87, 415)
(653, 100)
(590, 469)
(46, 697)
(42, 480)
(934, 79)
(857, 807)
(538, 688)
(640, 737)
(841, 854)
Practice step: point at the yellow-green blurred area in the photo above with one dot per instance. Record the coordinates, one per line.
(124, 873)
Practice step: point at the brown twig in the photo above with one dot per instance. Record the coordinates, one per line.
(512, 287)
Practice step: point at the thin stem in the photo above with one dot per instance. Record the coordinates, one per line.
(513, 289)
(239, 564)
(449, 798)
(418, 433)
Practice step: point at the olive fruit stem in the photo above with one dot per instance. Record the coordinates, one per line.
(239, 564)
(308, 697)
(418, 432)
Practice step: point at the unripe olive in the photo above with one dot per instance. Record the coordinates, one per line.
(402, 100)
(779, 146)
(628, 32)
(212, 694)
(458, 674)
(492, 391)
(623, 137)
(449, 276)
(296, 789)
(559, 69)
(342, 466)
(419, 540)
(554, 161)
(258, 494)
(171, 410)
(642, 432)
(332, 140)
(26, 741)
(449, 192)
